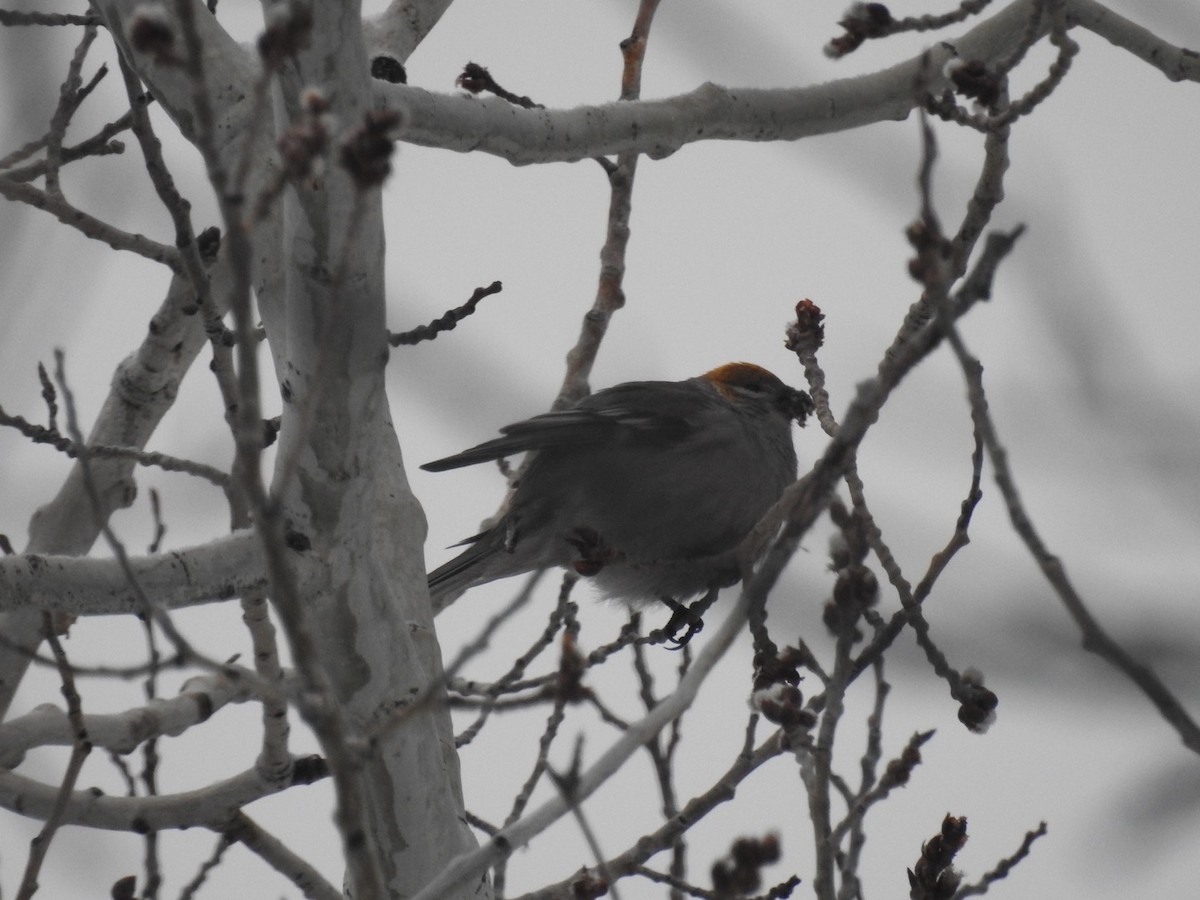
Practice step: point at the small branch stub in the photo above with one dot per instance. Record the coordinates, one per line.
(475, 79)
(446, 322)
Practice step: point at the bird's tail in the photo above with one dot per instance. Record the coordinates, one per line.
(448, 581)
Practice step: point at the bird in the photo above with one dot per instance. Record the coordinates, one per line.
(646, 488)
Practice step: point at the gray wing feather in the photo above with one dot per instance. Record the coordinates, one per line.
(619, 413)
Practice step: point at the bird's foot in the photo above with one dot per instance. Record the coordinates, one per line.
(691, 615)
(681, 615)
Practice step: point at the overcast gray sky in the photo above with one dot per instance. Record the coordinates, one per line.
(1090, 363)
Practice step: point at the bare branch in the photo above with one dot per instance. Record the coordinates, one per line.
(610, 294)
(722, 791)
(660, 127)
(1095, 638)
(218, 570)
(1003, 867)
(473, 864)
(99, 144)
(274, 758)
(71, 95)
(276, 854)
(10, 17)
(214, 860)
(50, 435)
(89, 225)
(81, 746)
(212, 806)
(1177, 63)
(872, 21)
(447, 321)
(120, 732)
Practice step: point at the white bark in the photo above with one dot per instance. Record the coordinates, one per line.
(123, 732)
(211, 806)
(658, 128)
(85, 586)
(371, 622)
(401, 27)
(366, 610)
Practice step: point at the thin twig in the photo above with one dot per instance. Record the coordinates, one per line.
(474, 78)
(224, 842)
(71, 94)
(721, 791)
(20, 17)
(565, 783)
(517, 669)
(1003, 867)
(853, 823)
(41, 434)
(610, 295)
(149, 773)
(80, 748)
(1095, 638)
(99, 144)
(446, 322)
(874, 21)
(89, 225)
(541, 766)
(279, 857)
(661, 757)
(274, 759)
(182, 646)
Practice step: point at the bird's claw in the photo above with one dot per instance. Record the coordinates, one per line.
(681, 615)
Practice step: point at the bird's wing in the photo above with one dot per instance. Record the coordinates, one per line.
(621, 413)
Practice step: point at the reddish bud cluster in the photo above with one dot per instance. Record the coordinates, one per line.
(855, 591)
(856, 586)
(933, 249)
(899, 770)
(933, 877)
(305, 141)
(977, 704)
(741, 872)
(776, 695)
(972, 78)
(367, 151)
(571, 668)
(780, 667)
(208, 242)
(862, 21)
(474, 78)
(807, 332)
(286, 32)
(783, 705)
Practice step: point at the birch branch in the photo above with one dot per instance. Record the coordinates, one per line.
(218, 570)
(48, 725)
